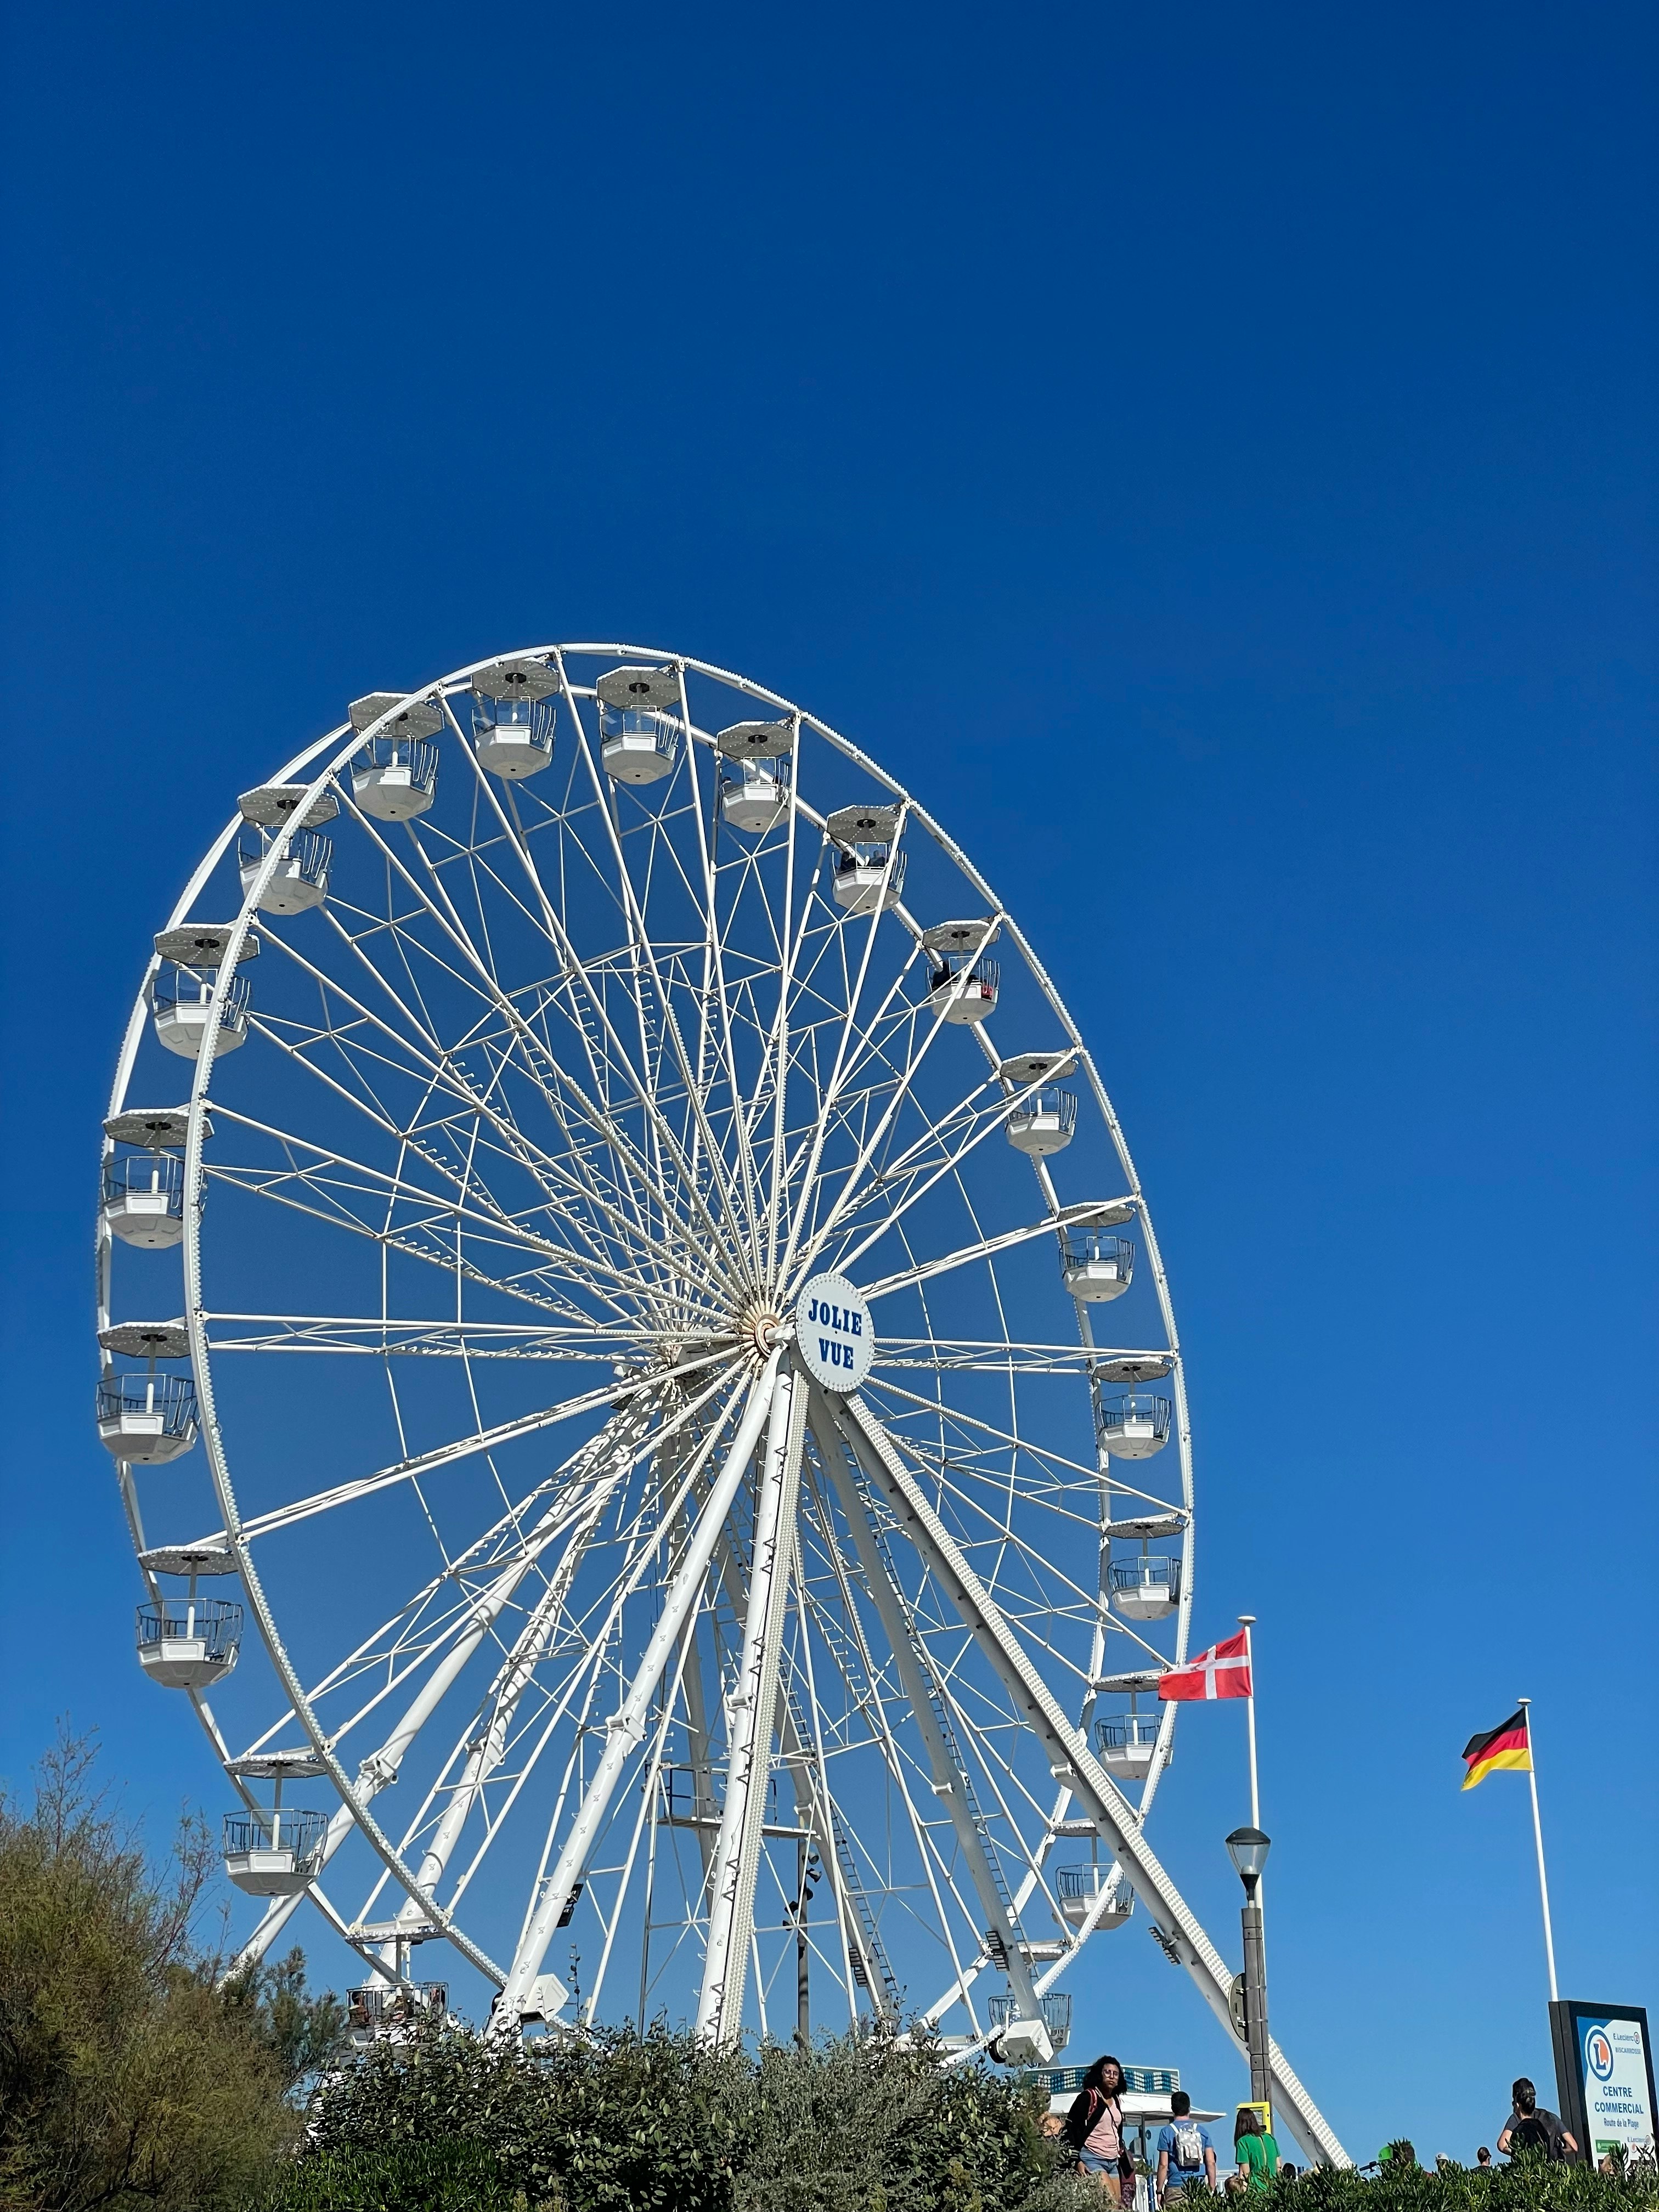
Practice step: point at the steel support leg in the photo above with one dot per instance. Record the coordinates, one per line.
(1069, 1757)
(626, 1729)
(754, 1710)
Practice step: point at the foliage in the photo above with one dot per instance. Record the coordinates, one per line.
(662, 2123)
(1526, 2186)
(304, 2035)
(623, 2120)
(125, 2075)
(437, 2177)
(859, 2123)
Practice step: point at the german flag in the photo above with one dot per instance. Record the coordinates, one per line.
(1508, 1745)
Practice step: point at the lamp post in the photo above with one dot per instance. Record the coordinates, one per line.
(1247, 1849)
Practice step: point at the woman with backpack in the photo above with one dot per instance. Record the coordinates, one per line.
(1255, 2149)
(1094, 2128)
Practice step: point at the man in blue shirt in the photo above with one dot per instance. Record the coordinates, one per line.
(1185, 2153)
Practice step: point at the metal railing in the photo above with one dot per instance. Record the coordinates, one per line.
(279, 1830)
(663, 729)
(1151, 1570)
(1086, 1883)
(1054, 2009)
(173, 985)
(873, 857)
(309, 855)
(1083, 1247)
(963, 966)
(1116, 1416)
(382, 2004)
(758, 775)
(529, 720)
(215, 1622)
(1126, 1732)
(1042, 1105)
(418, 754)
(146, 1174)
(172, 1396)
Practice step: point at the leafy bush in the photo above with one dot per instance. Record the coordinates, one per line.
(661, 2122)
(1528, 2186)
(439, 2177)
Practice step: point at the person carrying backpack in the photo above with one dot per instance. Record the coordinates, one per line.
(1185, 2153)
(1094, 2128)
(1532, 2129)
(1255, 2148)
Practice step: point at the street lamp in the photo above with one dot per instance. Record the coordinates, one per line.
(1247, 1849)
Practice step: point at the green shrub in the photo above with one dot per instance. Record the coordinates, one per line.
(436, 2176)
(1529, 2185)
(660, 2123)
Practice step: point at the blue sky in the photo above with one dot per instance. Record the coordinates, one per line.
(1208, 458)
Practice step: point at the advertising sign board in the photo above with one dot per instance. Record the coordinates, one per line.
(833, 1334)
(1604, 2075)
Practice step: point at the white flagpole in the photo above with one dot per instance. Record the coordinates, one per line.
(1538, 1839)
(1247, 1621)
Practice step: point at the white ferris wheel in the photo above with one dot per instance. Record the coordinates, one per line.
(671, 1360)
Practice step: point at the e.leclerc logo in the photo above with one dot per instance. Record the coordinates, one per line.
(833, 1334)
(1598, 2054)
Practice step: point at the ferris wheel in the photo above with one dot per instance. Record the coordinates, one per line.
(643, 1381)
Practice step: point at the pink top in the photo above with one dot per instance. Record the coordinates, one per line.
(1105, 2138)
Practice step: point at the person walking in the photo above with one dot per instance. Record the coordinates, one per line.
(1532, 2131)
(1185, 2153)
(1255, 2149)
(1094, 2128)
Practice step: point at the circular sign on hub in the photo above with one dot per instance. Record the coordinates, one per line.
(833, 1334)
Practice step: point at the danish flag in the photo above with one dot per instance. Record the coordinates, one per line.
(1223, 1671)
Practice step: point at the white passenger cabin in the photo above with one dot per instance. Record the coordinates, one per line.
(1041, 1120)
(144, 1189)
(187, 982)
(514, 706)
(756, 798)
(1081, 1888)
(1022, 2039)
(1096, 1266)
(1124, 1742)
(299, 880)
(867, 874)
(395, 776)
(146, 1420)
(1146, 1589)
(270, 1851)
(1132, 1425)
(963, 985)
(189, 1643)
(640, 728)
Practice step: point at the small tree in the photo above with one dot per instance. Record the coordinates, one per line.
(127, 2076)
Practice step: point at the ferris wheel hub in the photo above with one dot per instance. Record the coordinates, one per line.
(762, 1326)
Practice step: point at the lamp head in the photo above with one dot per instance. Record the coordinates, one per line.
(1247, 1849)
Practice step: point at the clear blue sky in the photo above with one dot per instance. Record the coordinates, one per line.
(1208, 454)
